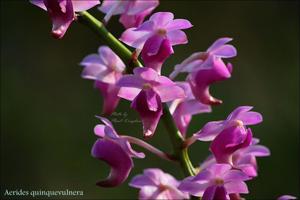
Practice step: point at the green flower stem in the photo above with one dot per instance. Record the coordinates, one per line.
(178, 143)
(124, 53)
(180, 152)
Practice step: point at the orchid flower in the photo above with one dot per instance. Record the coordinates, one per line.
(106, 69)
(133, 12)
(115, 151)
(241, 115)
(161, 24)
(62, 12)
(206, 68)
(147, 89)
(183, 109)
(218, 181)
(155, 184)
(243, 159)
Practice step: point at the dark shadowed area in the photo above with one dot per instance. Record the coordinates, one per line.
(47, 109)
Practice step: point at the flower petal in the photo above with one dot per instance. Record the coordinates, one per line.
(113, 7)
(110, 96)
(218, 43)
(39, 3)
(99, 130)
(177, 24)
(140, 6)
(146, 73)
(210, 131)
(193, 188)
(177, 37)
(225, 51)
(215, 192)
(128, 93)
(169, 92)
(140, 181)
(119, 161)
(156, 60)
(286, 197)
(131, 81)
(236, 187)
(257, 150)
(149, 118)
(135, 38)
(251, 118)
(235, 175)
(162, 19)
(84, 5)
(61, 14)
(193, 107)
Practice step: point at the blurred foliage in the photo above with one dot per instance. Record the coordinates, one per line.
(47, 110)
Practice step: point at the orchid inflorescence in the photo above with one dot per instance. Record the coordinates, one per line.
(233, 148)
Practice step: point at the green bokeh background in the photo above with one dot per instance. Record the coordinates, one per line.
(47, 110)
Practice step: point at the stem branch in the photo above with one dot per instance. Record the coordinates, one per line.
(148, 146)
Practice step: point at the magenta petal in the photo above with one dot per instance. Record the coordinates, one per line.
(149, 118)
(149, 192)
(136, 20)
(99, 130)
(131, 81)
(235, 175)
(251, 118)
(181, 121)
(238, 111)
(244, 114)
(141, 181)
(214, 192)
(169, 92)
(225, 51)
(210, 131)
(139, 6)
(258, 150)
(135, 38)
(153, 45)
(128, 93)
(228, 141)
(286, 197)
(114, 7)
(236, 187)
(119, 161)
(146, 73)
(110, 96)
(193, 107)
(193, 188)
(248, 169)
(162, 19)
(218, 43)
(177, 24)
(151, 100)
(184, 111)
(201, 79)
(61, 14)
(84, 5)
(39, 3)
(177, 37)
(156, 60)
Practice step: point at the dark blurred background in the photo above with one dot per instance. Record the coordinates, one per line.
(47, 110)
